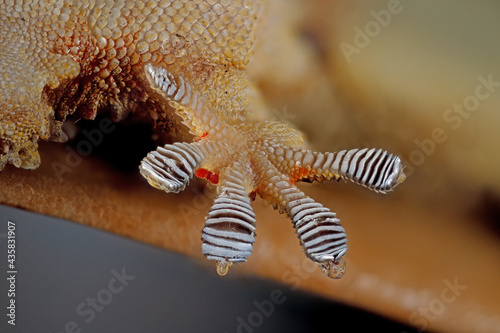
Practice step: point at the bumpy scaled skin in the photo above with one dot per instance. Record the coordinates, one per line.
(265, 158)
(79, 57)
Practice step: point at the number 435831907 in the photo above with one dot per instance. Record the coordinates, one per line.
(11, 245)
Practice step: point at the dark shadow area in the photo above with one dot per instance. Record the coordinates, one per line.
(121, 145)
(488, 208)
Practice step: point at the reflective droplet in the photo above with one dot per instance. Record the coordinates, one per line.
(332, 269)
(223, 267)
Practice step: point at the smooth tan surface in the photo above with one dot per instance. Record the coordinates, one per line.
(401, 257)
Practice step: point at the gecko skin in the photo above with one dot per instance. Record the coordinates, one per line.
(174, 61)
(60, 58)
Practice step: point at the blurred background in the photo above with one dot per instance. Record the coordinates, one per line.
(390, 74)
(420, 79)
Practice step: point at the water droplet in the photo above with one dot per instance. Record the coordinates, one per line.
(223, 267)
(332, 269)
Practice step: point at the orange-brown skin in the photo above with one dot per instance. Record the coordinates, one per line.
(60, 58)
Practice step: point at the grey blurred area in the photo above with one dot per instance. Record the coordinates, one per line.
(73, 278)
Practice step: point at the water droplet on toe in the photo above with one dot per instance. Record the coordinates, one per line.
(223, 267)
(332, 269)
